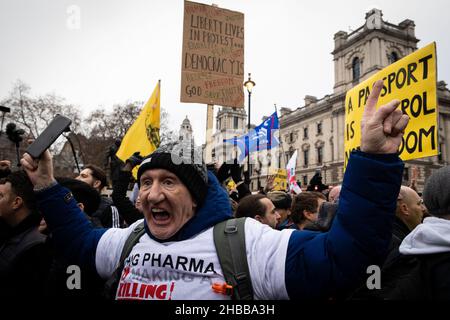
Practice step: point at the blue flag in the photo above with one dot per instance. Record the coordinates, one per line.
(260, 138)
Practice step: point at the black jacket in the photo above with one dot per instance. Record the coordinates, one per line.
(126, 208)
(107, 215)
(91, 285)
(395, 267)
(24, 260)
(427, 280)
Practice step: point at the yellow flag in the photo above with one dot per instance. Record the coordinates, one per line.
(143, 135)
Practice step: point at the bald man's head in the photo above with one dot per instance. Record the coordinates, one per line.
(410, 207)
(333, 196)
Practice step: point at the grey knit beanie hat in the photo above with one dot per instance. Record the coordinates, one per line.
(185, 162)
(436, 194)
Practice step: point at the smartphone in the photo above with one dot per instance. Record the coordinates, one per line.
(58, 125)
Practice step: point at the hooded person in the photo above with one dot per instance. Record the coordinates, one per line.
(315, 184)
(429, 242)
(179, 206)
(176, 257)
(433, 235)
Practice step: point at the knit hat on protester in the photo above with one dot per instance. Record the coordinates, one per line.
(280, 199)
(436, 195)
(182, 161)
(83, 193)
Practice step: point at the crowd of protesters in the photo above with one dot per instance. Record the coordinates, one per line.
(316, 244)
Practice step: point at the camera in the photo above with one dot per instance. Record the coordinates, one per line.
(14, 134)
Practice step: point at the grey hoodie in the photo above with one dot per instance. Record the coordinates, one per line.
(432, 236)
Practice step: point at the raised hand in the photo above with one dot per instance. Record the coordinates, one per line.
(269, 183)
(236, 172)
(223, 172)
(40, 171)
(382, 130)
(135, 159)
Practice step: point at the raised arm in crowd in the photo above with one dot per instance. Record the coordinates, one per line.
(181, 203)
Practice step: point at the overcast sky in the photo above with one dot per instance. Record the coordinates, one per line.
(123, 47)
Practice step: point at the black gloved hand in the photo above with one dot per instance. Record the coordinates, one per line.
(235, 170)
(247, 178)
(223, 173)
(135, 159)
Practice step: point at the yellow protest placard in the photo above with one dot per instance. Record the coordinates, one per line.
(280, 180)
(231, 185)
(412, 80)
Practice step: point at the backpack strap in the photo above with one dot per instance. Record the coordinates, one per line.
(113, 282)
(229, 239)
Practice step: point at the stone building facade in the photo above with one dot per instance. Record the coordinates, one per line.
(316, 129)
(230, 122)
(185, 133)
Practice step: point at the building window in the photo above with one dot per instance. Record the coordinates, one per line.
(319, 128)
(291, 151)
(235, 122)
(305, 157)
(287, 157)
(393, 57)
(305, 133)
(319, 155)
(356, 67)
(406, 174)
(305, 181)
(291, 137)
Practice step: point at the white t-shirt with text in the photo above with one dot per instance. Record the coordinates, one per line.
(187, 269)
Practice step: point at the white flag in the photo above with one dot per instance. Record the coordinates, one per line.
(290, 168)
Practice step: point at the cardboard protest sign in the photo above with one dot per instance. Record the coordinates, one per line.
(213, 56)
(412, 80)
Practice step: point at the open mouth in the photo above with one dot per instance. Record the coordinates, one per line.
(160, 216)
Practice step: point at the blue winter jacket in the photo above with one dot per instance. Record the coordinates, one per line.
(318, 265)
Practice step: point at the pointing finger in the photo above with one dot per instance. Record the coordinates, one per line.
(369, 109)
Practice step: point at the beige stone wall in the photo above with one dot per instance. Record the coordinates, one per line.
(372, 47)
(225, 130)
